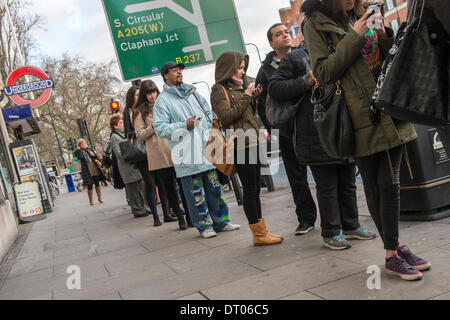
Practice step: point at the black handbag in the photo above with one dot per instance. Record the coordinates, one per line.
(280, 112)
(332, 119)
(414, 82)
(133, 151)
(116, 177)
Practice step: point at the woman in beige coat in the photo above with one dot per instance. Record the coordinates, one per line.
(158, 153)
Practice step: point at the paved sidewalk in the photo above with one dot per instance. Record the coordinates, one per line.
(122, 257)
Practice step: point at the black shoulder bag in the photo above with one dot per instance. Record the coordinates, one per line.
(414, 82)
(332, 119)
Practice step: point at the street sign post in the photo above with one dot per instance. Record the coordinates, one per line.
(147, 34)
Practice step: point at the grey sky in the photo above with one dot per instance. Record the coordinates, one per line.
(79, 27)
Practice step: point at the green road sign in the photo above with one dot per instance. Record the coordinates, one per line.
(146, 34)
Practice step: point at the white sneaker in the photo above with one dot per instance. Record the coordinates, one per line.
(231, 227)
(208, 233)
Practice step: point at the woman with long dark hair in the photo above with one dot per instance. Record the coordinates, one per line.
(130, 106)
(130, 109)
(160, 165)
(360, 44)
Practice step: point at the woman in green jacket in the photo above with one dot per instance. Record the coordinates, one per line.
(234, 104)
(379, 139)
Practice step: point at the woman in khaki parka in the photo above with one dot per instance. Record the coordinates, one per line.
(380, 140)
(230, 76)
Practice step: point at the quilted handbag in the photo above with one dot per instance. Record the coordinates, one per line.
(414, 82)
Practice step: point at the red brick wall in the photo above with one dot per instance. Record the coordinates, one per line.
(286, 15)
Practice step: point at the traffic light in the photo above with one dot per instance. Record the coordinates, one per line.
(71, 143)
(114, 106)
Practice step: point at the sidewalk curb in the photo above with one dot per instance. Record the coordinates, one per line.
(10, 258)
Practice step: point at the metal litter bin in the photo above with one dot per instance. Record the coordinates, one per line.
(427, 196)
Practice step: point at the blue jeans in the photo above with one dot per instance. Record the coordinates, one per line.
(205, 200)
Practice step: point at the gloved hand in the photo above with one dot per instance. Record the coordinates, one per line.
(374, 115)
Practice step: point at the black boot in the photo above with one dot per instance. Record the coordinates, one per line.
(169, 218)
(188, 220)
(182, 222)
(156, 221)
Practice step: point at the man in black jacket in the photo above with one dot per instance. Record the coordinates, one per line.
(281, 41)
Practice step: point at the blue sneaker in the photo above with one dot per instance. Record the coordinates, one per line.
(361, 233)
(337, 243)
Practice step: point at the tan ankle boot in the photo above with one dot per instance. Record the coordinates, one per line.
(91, 196)
(99, 194)
(273, 235)
(260, 236)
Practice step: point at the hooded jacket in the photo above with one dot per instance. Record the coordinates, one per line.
(170, 113)
(243, 107)
(348, 66)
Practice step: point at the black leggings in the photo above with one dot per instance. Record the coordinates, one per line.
(383, 194)
(249, 173)
(96, 182)
(165, 180)
(149, 185)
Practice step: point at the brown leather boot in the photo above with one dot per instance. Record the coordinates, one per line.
(273, 235)
(91, 196)
(260, 236)
(99, 194)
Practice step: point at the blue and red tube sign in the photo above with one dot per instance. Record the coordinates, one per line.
(14, 90)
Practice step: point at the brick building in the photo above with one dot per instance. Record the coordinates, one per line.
(394, 14)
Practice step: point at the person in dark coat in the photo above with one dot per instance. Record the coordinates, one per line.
(305, 208)
(91, 170)
(335, 179)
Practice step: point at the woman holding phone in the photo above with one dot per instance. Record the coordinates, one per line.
(361, 41)
(231, 85)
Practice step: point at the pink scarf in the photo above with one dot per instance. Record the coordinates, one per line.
(237, 81)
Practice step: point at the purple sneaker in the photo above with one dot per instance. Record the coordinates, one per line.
(414, 261)
(398, 266)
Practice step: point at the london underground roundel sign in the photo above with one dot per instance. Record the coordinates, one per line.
(14, 90)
